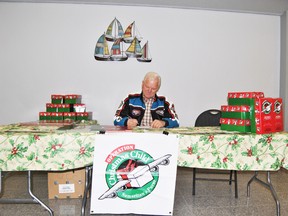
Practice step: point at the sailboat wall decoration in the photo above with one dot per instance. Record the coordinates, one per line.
(119, 40)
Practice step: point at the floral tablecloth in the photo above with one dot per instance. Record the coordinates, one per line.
(24, 147)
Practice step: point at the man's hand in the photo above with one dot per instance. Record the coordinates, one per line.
(158, 124)
(131, 123)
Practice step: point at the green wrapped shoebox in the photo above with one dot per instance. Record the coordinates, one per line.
(234, 111)
(69, 115)
(44, 116)
(236, 128)
(231, 124)
(82, 116)
(57, 116)
(72, 99)
(56, 99)
(50, 107)
(64, 108)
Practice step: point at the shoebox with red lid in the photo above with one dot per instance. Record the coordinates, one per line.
(44, 116)
(278, 115)
(57, 116)
(72, 99)
(233, 124)
(56, 99)
(69, 115)
(235, 111)
(64, 107)
(83, 116)
(79, 107)
(50, 107)
(268, 115)
(243, 98)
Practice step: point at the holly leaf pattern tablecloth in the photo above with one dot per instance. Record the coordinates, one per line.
(36, 147)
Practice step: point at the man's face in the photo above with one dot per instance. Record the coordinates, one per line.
(150, 88)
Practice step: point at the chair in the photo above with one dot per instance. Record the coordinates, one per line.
(212, 117)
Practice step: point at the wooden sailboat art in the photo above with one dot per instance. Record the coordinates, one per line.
(134, 50)
(119, 40)
(117, 53)
(130, 33)
(101, 50)
(114, 30)
(145, 54)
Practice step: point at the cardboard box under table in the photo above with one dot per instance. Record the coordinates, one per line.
(68, 184)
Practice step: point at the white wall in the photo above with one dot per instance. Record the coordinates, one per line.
(201, 55)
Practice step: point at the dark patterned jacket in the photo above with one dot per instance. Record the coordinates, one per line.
(133, 106)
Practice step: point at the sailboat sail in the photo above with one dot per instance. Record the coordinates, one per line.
(101, 49)
(134, 50)
(145, 54)
(130, 33)
(117, 51)
(114, 30)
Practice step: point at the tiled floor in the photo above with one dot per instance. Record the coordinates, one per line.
(212, 198)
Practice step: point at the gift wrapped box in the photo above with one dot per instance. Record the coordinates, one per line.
(57, 116)
(243, 98)
(82, 116)
(44, 116)
(56, 99)
(72, 99)
(235, 111)
(278, 115)
(69, 115)
(50, 107)
(231, 124)
(63, 107)
(79, 107)
(264, 122)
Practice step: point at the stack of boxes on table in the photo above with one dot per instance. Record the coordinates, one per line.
(64, 108)
(252, 112)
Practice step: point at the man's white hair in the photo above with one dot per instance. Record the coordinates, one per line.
(153, 76)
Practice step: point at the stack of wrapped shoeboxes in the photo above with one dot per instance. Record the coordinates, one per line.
(252, 112)
(65, 108)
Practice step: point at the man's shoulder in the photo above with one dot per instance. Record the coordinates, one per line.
(134, 95)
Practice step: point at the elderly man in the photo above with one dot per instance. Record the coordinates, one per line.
(147, 108)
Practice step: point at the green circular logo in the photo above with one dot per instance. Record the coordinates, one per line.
(133, 170)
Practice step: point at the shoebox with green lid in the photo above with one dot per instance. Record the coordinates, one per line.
(232, 124)
(235, 111)
(56, 99)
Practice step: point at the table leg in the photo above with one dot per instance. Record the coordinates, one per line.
(269, 185)
(88, 182)
(34, 200)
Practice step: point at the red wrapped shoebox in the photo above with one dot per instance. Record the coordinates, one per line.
(264, 118)
(278, 115)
